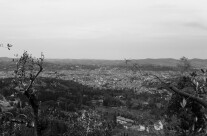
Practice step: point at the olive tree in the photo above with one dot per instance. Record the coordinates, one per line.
(26, 72)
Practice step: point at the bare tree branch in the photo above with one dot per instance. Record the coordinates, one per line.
(33, 79)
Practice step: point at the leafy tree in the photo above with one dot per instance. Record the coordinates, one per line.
(27, 71)
(184, 64)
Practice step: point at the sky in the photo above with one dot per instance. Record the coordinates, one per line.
(105, 29)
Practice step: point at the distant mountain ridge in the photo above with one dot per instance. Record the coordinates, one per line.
(5, 59)
(168, 62)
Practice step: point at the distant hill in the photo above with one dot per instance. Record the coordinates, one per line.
(199, 63)
(159, 62)
(6, 63)
(163, 62)
(5, 59)
(168, 62)
(85, 61)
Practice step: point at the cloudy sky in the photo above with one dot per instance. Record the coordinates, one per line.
(105, 29)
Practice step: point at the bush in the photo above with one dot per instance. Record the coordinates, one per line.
(111, 101)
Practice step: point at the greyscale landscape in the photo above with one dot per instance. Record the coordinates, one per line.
(75, 97)
(103, 68)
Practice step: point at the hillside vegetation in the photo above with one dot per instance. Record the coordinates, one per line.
(101, 100)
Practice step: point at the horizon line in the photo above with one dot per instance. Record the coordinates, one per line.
(110, 59)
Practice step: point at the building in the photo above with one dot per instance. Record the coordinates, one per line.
(124, 121)
(97, 102)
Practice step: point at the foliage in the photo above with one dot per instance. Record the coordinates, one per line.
(184, 65)
(111, 101)
(184, 115)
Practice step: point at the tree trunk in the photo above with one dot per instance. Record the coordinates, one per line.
(36, 123)
(35, 106)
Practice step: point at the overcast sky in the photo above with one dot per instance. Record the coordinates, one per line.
(105, 29)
